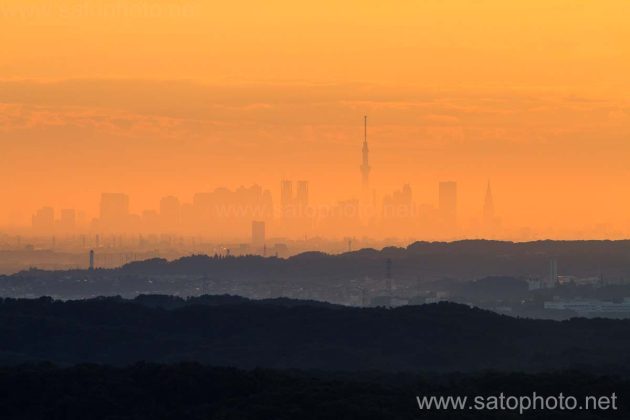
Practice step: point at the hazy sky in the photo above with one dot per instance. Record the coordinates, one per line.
(171, 97)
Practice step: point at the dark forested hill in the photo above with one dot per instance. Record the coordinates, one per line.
(191, 391)
(225, 331)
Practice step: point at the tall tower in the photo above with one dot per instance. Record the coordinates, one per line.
(365, 166)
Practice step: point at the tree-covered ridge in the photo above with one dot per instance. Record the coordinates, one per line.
(230, 331)
(193, 391)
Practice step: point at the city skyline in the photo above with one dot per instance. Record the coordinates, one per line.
(246, 204)
(297, 215)
(546, 119)
(225, 214)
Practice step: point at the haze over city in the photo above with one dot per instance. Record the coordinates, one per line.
(228, 99)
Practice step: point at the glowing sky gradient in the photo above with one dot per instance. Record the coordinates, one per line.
(173, 97)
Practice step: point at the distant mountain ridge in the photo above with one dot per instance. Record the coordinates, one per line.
(468, 258)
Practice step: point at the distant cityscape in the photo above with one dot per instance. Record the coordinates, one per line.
(248, 221)
(248, 214)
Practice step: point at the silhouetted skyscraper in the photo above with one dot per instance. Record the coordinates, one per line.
(91, 259)
(286, 194)
(294, 207)
(302, 193)
(258, 233)
(398, 205)
(228, 213)
(365, 165)
(448, 202)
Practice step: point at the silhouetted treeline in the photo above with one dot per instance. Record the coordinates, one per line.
(193, 391)
(421, 270)
(467, 259)
(228, 331)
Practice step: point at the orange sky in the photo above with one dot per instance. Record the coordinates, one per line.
(172, 97)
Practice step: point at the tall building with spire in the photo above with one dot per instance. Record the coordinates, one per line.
(365, 166)
(491, 223)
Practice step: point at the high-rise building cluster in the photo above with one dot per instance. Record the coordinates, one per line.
(248, 213)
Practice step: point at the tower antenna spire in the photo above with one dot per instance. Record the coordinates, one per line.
(365, 128)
